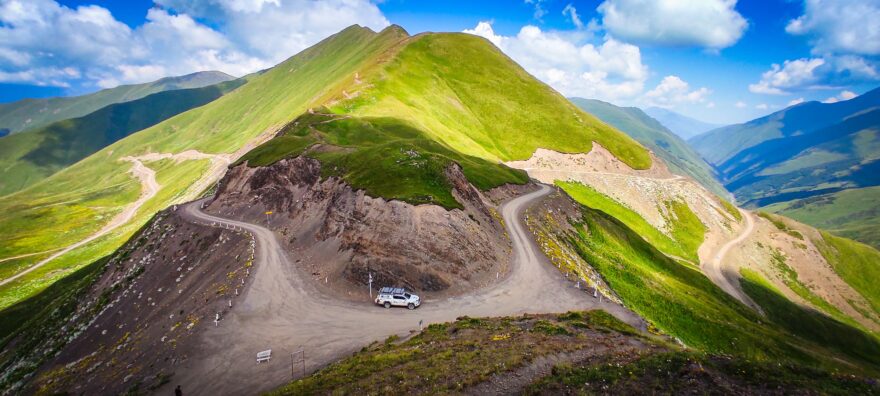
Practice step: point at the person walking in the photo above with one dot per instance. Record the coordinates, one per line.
(177, 391)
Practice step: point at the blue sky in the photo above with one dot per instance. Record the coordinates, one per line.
(720, 61)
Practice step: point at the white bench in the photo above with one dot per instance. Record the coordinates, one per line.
(264, 356)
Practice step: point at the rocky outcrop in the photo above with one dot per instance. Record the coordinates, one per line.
(340, 235)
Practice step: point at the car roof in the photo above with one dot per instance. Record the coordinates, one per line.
(392, 290)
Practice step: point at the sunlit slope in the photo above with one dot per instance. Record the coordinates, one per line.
(462, 91)
(680, 157)
(79, 200)
(26, 158)
(29, 114)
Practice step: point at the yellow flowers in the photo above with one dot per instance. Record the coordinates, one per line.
(500, 337)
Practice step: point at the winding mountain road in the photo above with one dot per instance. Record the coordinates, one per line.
(279, 310)
(723, 277)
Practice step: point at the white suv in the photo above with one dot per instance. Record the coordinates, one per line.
(397, 296)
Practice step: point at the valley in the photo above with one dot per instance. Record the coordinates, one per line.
(557, 246)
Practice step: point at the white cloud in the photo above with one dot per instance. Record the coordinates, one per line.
(840, 26)
(539, 9)
(762, 106)
(572, 13)
(44, 43)
(673, 90)
(795, 101)
(713, 24)
(842, 96)
(740, 105)
(791, 74)
(612, 70)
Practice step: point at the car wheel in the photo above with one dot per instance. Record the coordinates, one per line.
(411, 306)
(387, 304)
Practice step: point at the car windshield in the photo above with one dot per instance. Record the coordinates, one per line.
(407, 295)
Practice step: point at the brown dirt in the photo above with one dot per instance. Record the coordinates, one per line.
(160, 289)
(340, 235)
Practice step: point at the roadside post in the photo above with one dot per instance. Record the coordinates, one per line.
(267, 216)
(370, 285)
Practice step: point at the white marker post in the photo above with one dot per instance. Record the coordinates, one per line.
(370, 285)
(267, 216)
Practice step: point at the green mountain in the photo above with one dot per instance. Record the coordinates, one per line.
(37, 113)
(680, 157)
(26, 158)
(683, 126)
(444, 95)
(798, 159)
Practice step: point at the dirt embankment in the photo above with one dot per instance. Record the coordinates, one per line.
(138, 322)
(340, 235)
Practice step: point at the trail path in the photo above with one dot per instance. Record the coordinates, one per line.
(282, 312)
(149, 188)
(724, 277)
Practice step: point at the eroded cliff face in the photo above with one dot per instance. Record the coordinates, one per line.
(339, 234)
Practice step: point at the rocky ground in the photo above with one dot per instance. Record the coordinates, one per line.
(139, 320)
(341, 235)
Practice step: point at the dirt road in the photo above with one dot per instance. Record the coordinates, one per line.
(282, 312)
(723, 276)
(149, 188)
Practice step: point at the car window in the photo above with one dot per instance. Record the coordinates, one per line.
(398, 297)
(407, 295)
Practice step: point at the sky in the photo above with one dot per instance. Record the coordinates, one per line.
(720, 61)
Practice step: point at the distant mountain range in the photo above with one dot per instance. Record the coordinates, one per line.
(680, 157)
(26, 158)
(36, 113)
(797, 159)
(683, 126)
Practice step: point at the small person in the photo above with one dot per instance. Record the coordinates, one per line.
(177, 391)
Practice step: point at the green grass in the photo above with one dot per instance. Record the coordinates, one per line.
(27, 158)
(465, 93)
(679, 300)
(29, 114)
(687, 230)
(687, 372)
(75, 202)
(780, 225)
(450, 357)
(731, 209)
(856, 263)
(386, 157)
(852, 213)
(680, 157)
(811, 325)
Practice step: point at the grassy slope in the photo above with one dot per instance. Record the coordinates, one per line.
(384, 156)
(857, 264)
(76, 201)
(686, 229)
(450, 357)
(465, 93)
(680, 157)
(37, 113)
(682, 302)
(27, 158)
(853, 213)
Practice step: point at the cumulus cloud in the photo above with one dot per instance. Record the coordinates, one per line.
(792, 74)
(713, 24)
(45, 43)
(762, 106)
(842, 96)
(672, 90)
(740, 105)
(610, 70)
(815, 73)
(840, 26)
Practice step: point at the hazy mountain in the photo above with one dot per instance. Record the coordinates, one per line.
(683, 126)
(26, 158)
(36, 113)
(811, 149)
(680, 157)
